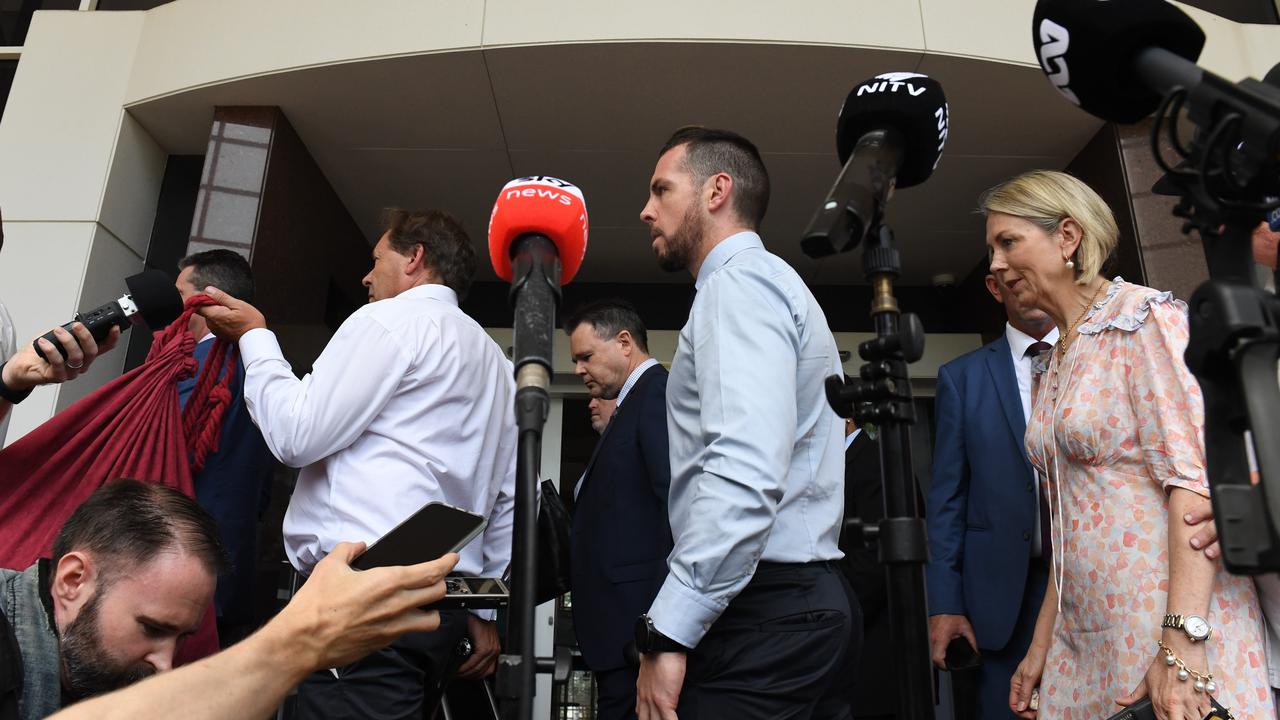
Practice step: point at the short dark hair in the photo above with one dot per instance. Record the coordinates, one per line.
(608, 318)
(712, 151)
(126, 523)
(445, 245)
(226, 270)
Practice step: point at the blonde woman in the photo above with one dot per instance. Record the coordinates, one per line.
(1116, 436)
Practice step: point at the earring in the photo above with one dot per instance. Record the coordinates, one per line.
(1071, 265)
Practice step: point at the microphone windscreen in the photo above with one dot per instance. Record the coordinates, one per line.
(539, 205)
(158, 301)
(911, 103)
(1088, 49)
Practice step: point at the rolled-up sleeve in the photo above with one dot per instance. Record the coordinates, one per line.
(744, 345)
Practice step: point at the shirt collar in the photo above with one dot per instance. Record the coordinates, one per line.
(634, 377)
(723, 251)
(1020, 341)
(848, 440)
(432, 291)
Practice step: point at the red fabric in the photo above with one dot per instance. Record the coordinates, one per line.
(131, 427)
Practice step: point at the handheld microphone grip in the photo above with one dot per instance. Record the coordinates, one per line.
(152, 300)
(535, 292)
(860, 191)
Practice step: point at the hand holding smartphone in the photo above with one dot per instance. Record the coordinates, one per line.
(435, 530)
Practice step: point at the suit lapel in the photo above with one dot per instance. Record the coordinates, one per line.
(1000, 365)
(617, 415)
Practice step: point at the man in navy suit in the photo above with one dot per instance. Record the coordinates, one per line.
(621, 536)
(989, 555)
(235, 480)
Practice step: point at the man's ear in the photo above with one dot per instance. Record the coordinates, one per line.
(626, 343)
(76, 578)
(721, 188)
(993, 287)
(417, 260)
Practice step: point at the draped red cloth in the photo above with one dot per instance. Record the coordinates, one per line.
(131, 427)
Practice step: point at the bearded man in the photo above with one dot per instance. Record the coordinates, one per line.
(132, 573)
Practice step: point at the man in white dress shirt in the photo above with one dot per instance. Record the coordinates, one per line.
(410, 402)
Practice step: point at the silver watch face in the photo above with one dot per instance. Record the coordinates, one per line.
(1197, 628)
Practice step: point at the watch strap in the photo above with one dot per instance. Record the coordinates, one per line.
(13, 396)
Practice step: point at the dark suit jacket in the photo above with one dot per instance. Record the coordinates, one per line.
(233, 487)
(875, 690)
(982, 503)
(621, 536)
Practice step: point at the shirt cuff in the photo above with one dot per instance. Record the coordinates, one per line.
(682, 613)
(486, 615)
(259, 344)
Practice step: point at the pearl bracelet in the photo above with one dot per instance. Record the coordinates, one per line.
(1204, 681)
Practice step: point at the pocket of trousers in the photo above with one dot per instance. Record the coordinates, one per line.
(805, 622)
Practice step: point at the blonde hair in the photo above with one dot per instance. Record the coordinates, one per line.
(1046, 198)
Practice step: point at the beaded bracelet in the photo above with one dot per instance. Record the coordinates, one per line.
(1204, 681)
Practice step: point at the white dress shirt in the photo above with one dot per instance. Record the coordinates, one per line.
(410, 402)
(1018, 344)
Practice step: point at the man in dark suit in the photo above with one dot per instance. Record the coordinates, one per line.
(873, 689)
(621, 536)
(989, 555)
(236, 478)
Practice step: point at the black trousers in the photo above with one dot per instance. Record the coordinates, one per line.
(777, 651)
(616, 694)
(391, 684)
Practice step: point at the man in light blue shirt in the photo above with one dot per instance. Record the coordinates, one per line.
(754, 618)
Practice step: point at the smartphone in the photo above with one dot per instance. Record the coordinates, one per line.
(473, 593)
(961, 655)
(433, 531)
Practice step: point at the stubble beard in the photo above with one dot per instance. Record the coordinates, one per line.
(682, 242)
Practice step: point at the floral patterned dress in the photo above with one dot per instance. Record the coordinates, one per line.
(1116, 425)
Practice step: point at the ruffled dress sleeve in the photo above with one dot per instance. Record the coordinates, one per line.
(1165, 395)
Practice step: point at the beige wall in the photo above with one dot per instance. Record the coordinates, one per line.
(78, 183)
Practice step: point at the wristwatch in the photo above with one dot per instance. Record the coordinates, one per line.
(1195, 627)
(648, 639)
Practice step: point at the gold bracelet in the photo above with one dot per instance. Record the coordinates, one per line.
(1204, 681)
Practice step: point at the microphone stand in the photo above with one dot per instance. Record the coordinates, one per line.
(854, 211)
(882, 395)
(535, 292)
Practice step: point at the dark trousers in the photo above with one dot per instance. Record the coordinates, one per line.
(998, 666)
(616, 694)
(393, 683)
(777, 651)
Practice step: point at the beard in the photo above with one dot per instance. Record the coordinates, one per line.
(682, 242)
(86, 666)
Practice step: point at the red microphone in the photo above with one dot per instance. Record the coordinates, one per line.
(543, 206)
(537, 237)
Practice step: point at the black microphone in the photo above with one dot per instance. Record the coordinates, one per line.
(890, 133)
(152, 300)
(1116, 59)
